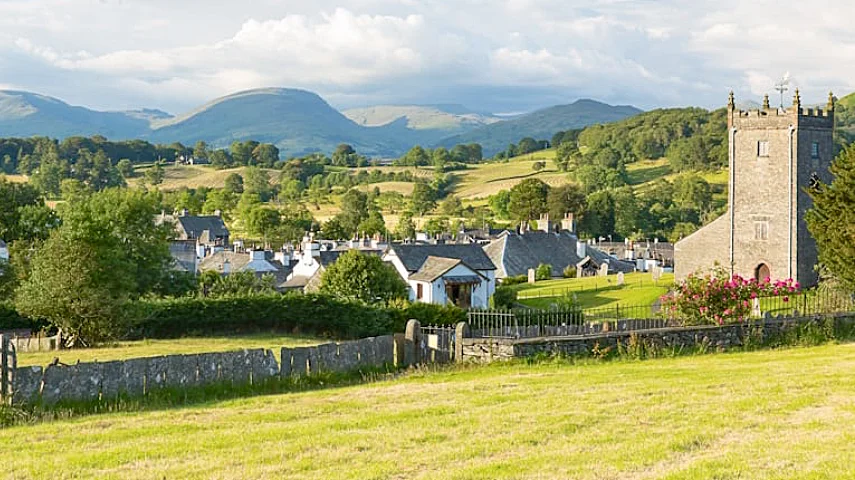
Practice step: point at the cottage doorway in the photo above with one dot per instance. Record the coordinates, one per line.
(460, 295)
(762, 272)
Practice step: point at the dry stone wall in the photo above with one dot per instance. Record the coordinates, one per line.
(105, 381)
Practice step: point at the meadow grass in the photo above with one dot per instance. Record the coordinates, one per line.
(770, 414)
(152, 348)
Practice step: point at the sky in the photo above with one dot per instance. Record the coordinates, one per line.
(500, 56)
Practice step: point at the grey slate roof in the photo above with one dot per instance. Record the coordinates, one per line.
(183, 254)
(413, 256)
(433, 268)
(516, 253)
(194, 226)
(2, 243)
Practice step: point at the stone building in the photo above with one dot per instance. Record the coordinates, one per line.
(775, 155)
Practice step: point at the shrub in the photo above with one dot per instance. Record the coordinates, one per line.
(718, 298)
(543, 272)
(427, 314)
(10, 319)
(504, 297)
(515, 280)
(570, 272)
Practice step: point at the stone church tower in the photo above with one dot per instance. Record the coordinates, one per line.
(775, 155)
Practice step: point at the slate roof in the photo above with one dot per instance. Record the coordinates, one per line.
(193, 226)
(434, 267)
(183, 254)
(515, 254)
(2, 243)
(413, 256)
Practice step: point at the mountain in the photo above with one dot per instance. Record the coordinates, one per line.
(25, 114)
(542, 124)
(296, 121)
(443, 119)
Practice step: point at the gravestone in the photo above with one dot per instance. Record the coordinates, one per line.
(620, 279)
(656, 272)
(532, 276)
(604, 270)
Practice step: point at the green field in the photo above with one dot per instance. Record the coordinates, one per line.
(597, 292)
(762, 415)
(153, 348)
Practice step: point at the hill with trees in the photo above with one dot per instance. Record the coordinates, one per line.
(542, 124)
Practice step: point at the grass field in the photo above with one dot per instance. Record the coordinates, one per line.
(195, 176)
(153, 348)
(761, 415)
(598, 292)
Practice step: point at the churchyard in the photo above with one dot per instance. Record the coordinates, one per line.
(638, 290)
(750, 415)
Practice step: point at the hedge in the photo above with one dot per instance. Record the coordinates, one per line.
(11, 320)
(309, 314)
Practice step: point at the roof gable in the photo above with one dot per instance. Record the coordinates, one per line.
(414, 256)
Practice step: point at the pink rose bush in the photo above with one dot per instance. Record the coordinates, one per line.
(718, 298)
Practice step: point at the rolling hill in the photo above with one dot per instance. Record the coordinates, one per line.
(542, 124)
(25, 114)
(298, 122)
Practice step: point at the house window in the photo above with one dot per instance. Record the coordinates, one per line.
(814, 150)
(420, 292)
(761, 230)
(763, 149)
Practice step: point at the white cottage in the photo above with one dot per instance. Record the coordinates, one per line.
(449, 274)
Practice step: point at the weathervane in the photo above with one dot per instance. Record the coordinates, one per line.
(783, 86)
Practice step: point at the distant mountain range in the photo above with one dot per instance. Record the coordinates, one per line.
(300, 122)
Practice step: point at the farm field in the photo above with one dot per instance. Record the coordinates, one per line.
(762, 415)
(153, 348)
(195, 176)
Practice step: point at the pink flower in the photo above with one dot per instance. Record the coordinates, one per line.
(786, 299)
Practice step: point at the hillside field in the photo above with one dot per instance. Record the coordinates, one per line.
(639, 290)
(775, 414)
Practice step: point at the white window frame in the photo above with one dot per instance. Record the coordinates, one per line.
(761, 230)
(763, 148)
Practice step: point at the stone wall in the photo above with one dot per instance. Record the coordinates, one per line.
(105, 381)
(716, 338)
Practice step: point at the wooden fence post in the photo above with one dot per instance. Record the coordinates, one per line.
(4, 361)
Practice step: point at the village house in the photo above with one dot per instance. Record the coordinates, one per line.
(445, 274)
(259, 262)
(206, 230)
(316, 255)
(515, 253)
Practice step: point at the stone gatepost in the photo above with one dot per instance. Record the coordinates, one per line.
(412, 343)
(461, 331)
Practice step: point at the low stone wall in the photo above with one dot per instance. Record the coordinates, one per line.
(718, 338)
(105, 381)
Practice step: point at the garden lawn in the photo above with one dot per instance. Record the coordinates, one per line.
(762, 415)
(153, 348)
(598, 292)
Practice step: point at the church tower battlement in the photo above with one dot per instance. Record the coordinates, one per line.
(775, 155)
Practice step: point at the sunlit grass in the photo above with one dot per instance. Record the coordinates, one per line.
(761, 415)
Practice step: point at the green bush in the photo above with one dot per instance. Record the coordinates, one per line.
(10, 319)
(570, 271)
(543, 272)
(311, 314)
(515, 280)
(504, 298)
(427, 314)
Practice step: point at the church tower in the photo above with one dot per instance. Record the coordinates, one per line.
(775, 155)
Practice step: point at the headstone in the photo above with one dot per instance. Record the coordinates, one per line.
(656, 272)
(604, 270)
(620, 279)
(532, 275)
(755, 308)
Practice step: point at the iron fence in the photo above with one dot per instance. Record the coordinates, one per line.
(529, 323)
(437, 343)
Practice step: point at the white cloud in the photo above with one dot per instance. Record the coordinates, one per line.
(628, 51)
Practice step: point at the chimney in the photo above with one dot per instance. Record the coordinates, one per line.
(218, 213)
(543, 224)
(523, 227)
(256, 255)
(581, 249)
(184, 212)
(569, 223)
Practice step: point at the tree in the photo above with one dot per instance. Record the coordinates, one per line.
(220, 159)
(372, 225)
(125, 168)
(343, 156)
(565, 199)
(406, 228)
(262, 221)
(354, 209)
(363, 277)
(451, 206)
(234, 183)
(220, 199)
(528, 200)
(241, 152)
(423, 199)
(538, 166)
(80, 283)
(437, 226)
(599, 219)
(440, 157)
(266, 155)
(499, 203)
(200, 150)
(831, 221)
(14, 198)
(155, 174)
(417, 156)
(126, 216)
(257, 181)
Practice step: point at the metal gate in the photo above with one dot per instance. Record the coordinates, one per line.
(437, 344)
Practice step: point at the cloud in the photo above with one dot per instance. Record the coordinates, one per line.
(397, 51)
